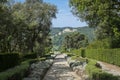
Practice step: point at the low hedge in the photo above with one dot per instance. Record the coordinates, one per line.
(111, 56)
(30, 56)
(18, 72)
(8, 60)
(106, 55)
(104, 76)
(97, 74)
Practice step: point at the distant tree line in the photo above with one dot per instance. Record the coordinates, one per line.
(74, 40)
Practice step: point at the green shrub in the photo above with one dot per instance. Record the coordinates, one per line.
(42, 59)
(70, 54)
(102, 44)
(76, 52)
(83, 53)
(97, 74)
(30, 56)
(9, 60)
(104, 76)
(106, 55)
(91, 68)
(16, 73)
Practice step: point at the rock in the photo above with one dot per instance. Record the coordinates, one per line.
(38, 70)
(98, 65)
(79, 68)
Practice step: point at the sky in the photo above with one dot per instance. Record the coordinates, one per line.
(65, 18)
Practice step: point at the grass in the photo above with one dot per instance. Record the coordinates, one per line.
(78, 58)
(97, 74)
(94, 72)
(91, 68)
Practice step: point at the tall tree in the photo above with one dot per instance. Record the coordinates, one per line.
(103, 15)
(24, 25)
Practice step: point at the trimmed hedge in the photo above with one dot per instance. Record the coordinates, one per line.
(30, 56)
(76, 52)
(18, 72)
(8, 60)
(83, 53)
(111, 56)
(104, 76)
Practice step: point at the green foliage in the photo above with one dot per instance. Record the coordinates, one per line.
(79, 52)
(75, 40)
(91, 68)
(76, 52)
(18, 72)
(115, 40)
(70, 54)
(102, 15)
(97, 74)
(8, 60)
(104, 76)
(105, 55)
(55, 31)
(58, 40)
(25, 26)
(100, 44)
(83, 53)
(30, 56)
(88, 32)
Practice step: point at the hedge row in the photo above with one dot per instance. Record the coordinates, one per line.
(18, 72)
(111, 56)
(30, 56)
(9, 60)
(104, 76)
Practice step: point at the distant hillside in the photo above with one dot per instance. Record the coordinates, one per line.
(89, 32)
(58, 34)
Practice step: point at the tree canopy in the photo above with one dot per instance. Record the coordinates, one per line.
(25, 26)
(103, 15)
(75, 40)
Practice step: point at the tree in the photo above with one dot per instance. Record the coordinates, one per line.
(102, 15)
(75, 40)
(25, 26)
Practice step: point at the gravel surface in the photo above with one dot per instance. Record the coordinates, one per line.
(60, 70)
(109, 68)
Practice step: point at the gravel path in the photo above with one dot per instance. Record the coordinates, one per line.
(60, 70)
(115, 70)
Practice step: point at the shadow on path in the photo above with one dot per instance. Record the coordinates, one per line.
(60, 70)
